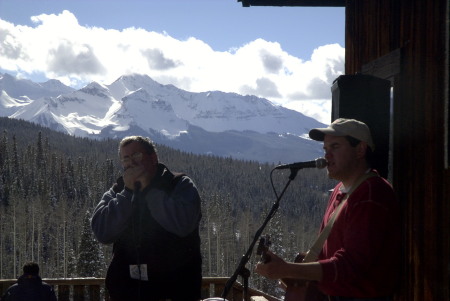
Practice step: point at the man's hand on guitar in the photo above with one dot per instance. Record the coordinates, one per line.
(272, 269)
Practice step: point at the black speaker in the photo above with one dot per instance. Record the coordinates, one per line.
(366, 98)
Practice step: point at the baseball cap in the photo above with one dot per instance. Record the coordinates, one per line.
(345, 127)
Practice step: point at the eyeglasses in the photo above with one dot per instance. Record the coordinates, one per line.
(136, 157)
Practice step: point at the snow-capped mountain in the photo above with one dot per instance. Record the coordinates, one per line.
(17, 88)
(214, 122)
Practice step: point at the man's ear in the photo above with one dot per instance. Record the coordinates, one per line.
(361, 149)
(154, 158)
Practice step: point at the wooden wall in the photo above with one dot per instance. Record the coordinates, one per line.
(405, 41)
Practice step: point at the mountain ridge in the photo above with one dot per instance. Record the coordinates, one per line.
(243, 127)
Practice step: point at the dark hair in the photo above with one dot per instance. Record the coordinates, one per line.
(369, 153)
(144, 141)
(31, 268)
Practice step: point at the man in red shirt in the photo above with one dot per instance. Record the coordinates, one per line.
(360, 259)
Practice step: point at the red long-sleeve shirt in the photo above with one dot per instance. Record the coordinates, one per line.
(361, 257)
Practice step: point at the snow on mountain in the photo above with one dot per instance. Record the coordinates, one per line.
(79, 112)
(136, 104)
(228, 111)
(9, 105)
(22, 87)
(214, 111)
(159, 115)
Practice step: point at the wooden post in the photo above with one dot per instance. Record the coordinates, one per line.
(94, 292)
(63, 292)
(78, 293)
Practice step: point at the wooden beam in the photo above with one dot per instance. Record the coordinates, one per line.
(313, 3)
(385, 67)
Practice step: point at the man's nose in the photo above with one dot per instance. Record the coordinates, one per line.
(127, 164)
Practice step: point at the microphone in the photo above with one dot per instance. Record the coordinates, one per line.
(318, 163)
(137, 186)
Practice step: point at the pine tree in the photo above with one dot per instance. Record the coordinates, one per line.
(71, 270)
(4, 170)
(90, 257)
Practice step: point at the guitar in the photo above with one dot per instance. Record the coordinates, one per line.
(296, 290)
(263, 247)
(302, 290)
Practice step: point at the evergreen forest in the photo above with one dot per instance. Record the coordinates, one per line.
(50, 182)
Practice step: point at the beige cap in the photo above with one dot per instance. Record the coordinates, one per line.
(345, 127)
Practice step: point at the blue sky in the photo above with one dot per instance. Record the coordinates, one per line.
(289, 55)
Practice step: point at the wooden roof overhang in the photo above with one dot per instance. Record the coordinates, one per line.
(317, 3)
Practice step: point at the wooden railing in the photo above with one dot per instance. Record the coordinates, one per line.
(93, 289)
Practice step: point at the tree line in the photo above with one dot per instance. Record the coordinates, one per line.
(50, 182)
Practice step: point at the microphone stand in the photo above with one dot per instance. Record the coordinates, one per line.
(135, 202)
(241, 270)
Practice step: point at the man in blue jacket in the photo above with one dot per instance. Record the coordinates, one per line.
(30, 287)
(151, 216)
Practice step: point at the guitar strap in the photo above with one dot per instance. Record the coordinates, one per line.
(316, 248)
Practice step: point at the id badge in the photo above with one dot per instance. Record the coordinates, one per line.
(139, 272)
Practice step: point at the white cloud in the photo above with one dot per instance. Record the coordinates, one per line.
(59, 47)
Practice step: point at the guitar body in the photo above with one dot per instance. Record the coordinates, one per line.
(296, 293)
(298, 290)
(306, 292)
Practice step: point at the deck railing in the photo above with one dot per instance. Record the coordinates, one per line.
(93, 289)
